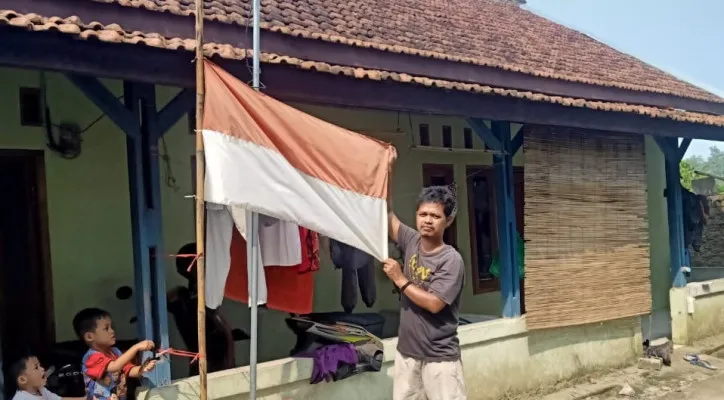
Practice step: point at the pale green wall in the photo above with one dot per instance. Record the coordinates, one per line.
(88, 202)
(89, 214)
(658, 226)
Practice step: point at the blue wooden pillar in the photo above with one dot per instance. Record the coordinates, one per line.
(505, 210)
(499, 140)
(143, 125)
(146, 222)
(674, 207)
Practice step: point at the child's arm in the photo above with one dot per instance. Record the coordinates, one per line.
(127, 357)
(138, 370)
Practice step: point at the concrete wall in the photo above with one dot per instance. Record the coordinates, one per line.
(499, 357)
(697, 311)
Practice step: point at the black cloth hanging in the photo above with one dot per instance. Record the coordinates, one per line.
(357, 271)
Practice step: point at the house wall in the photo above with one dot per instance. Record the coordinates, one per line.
(660, 257)
(89, 212)
(499, 357)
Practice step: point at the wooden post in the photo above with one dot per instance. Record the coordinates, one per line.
(200, 206)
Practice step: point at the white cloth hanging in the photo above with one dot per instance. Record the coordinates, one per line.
(238, 214)
(279, 245)
(219, 227)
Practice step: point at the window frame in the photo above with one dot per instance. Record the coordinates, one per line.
(492, 285)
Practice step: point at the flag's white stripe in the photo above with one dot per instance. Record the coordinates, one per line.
(243, 173)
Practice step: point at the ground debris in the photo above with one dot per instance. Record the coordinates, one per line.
(627, 390)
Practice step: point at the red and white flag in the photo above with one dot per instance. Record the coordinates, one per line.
(271, 158)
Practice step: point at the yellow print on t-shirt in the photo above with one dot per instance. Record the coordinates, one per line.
(419, 273)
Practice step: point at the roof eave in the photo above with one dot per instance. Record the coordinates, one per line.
(338, 51)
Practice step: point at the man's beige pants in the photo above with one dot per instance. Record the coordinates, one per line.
(420, 380)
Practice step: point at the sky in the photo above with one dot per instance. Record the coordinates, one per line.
(681, 37)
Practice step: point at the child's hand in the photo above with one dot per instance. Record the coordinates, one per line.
(145, 345)
(149, 366)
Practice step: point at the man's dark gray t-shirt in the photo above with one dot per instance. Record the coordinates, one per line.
(423, 335)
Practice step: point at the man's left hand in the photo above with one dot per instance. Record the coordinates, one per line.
(394, 271)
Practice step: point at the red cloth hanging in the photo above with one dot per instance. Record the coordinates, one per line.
(310, 245)
(287, 289)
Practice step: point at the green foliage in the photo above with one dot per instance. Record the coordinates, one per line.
(687, 173)
(713, 164)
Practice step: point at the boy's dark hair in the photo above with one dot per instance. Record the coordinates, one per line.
(18, 367)
(85, 321)
(438, 195)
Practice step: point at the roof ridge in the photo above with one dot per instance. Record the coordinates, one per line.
(238, 18)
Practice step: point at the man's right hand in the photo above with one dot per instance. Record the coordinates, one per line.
(145, 345)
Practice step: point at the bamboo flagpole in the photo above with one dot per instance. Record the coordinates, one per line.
(200, 206)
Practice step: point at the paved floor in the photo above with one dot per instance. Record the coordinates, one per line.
(710, 389)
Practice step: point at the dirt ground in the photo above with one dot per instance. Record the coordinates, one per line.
(670, 382)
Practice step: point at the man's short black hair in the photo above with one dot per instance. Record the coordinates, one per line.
(18, 367)
(85, 321)
(438, 195)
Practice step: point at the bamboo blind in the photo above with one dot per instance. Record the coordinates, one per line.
(586, 229)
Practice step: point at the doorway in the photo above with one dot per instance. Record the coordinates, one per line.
(26, 295)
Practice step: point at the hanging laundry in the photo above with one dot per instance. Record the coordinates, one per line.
(219, 226)
(311, 246)
(287, 289)
(299, 173)
(332, 362)
(279, 241)
(357, 271)
(279, 245)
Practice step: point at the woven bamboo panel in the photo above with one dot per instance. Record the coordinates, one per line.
(586, 228)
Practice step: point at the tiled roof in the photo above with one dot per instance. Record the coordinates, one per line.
(492, 33)
(114, 33)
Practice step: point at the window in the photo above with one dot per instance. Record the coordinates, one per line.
(483, 224)
(424, 135)
(440, 175)
(447, 136)
(31, 106)
(468, 138)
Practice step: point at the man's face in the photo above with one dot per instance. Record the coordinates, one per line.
(103, 335)
(431, 220)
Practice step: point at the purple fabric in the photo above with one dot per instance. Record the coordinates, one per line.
(328, 358)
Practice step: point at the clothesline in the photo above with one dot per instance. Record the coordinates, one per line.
(180, 353)
(193, 262)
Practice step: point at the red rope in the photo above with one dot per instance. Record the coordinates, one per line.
(181, 353)
(193, 262)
